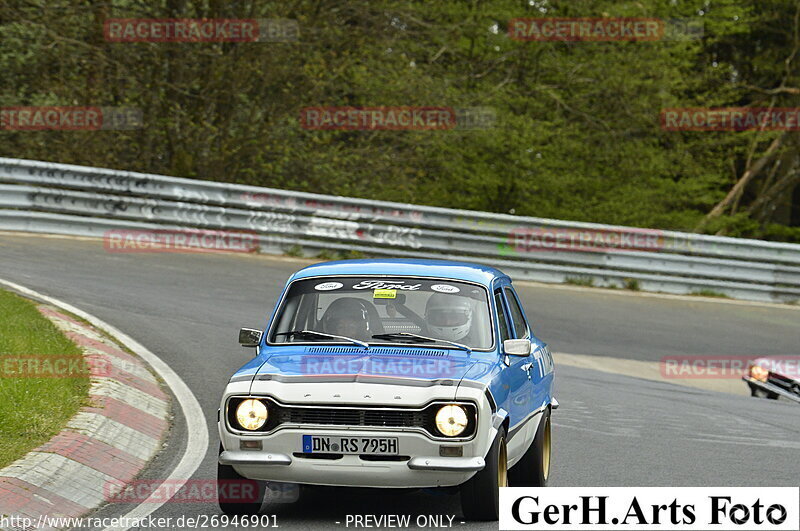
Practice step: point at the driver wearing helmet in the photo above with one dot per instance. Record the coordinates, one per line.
(449, 317)
(347, 317)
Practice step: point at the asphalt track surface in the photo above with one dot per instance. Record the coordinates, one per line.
(611, 430)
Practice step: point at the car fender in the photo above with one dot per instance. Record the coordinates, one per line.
(491, 419)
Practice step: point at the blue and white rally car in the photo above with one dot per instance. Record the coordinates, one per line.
(392, 373)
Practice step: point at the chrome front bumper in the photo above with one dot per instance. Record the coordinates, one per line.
(443, 464)
(281, 461)
(447, 464)
(245, 457)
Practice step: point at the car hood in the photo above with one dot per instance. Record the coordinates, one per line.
(318, 363)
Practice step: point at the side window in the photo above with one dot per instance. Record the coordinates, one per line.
(520, 326)
(501, 316)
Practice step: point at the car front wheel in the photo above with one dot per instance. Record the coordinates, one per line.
(533, 470)
(237, 494)
(480, 496)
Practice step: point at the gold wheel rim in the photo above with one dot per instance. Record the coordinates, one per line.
(546, 450)
(502, 465)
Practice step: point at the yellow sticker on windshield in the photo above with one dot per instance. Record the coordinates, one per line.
(384, 294)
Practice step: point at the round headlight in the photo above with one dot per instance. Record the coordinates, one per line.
(451, 420)
(251, 414)
(759, 373)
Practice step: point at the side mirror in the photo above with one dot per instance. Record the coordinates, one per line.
(249, 337)
(517, 347)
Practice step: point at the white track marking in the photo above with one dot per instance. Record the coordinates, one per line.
(196, 427)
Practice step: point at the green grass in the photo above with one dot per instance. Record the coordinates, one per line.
(294, 250)
(709, 293)
(631, 284)
(580, 281)
(32, 410)
(337, 254)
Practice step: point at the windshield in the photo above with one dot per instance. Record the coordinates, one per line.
(381, 310)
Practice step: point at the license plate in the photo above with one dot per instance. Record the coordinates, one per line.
(320, 444)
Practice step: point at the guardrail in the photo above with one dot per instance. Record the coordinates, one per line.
(76, 200)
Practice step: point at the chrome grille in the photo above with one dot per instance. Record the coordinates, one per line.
(351, 417)
(292, 415)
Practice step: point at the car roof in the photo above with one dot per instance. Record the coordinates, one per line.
(405, 267)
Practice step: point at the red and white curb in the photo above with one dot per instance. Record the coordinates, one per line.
(109, 441)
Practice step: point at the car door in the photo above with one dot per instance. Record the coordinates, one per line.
(516, 377)
(542, 358)
(541, 368)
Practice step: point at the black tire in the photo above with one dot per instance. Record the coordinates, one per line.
(533, 470)
(760, 393)
(228, 498)
(480, 496)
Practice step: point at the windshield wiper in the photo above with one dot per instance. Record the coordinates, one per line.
(406, 335)
(323, 334)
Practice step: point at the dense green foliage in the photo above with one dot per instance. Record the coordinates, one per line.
(577, 135)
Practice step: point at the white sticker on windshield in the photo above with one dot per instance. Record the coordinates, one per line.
(445, 288)
(328, 286)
